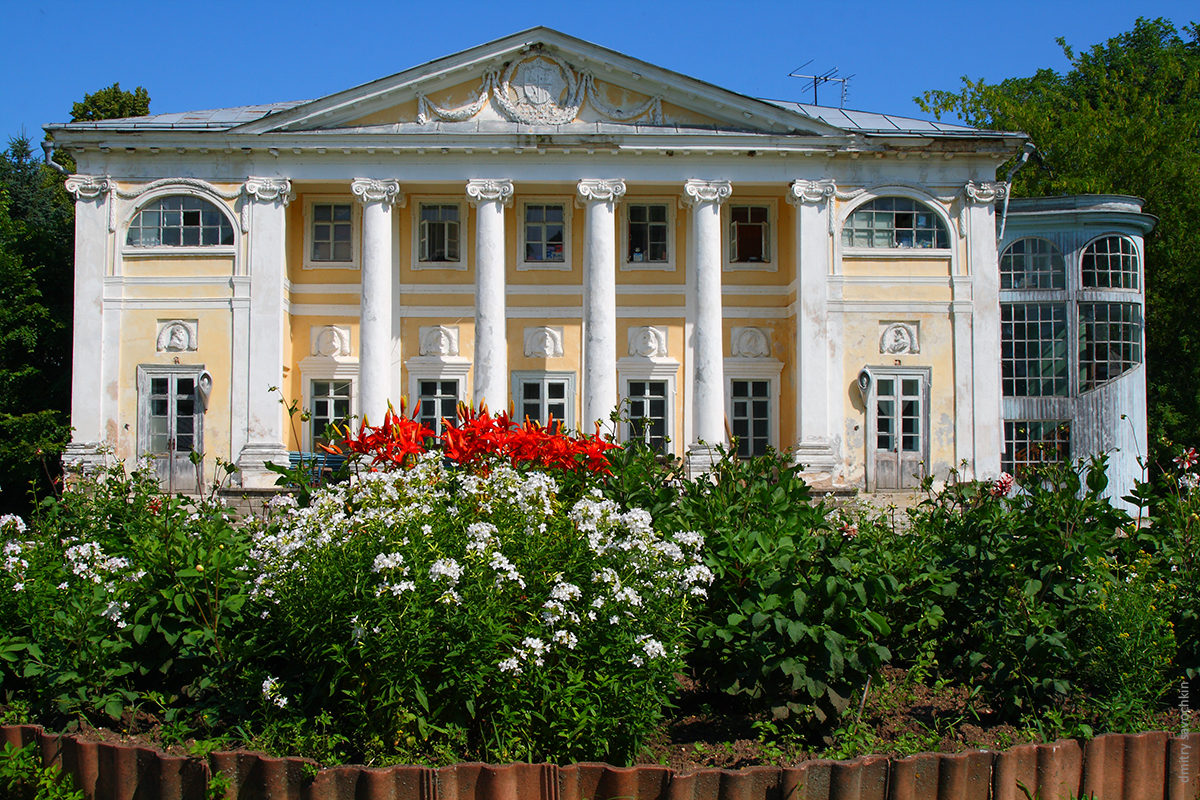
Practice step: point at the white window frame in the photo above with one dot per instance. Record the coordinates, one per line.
(415, 203)
(556, 266)
(756, 369)
(321, 368)
(772, 205)
(130, 252)
(638, 368)
(521, 376)
(437, 368)
(355, 231)
(672, 204)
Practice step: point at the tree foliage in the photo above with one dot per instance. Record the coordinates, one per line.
(1124, 119)
(112, 102)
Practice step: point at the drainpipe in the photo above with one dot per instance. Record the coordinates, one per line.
(48, 149)
(1026, 152)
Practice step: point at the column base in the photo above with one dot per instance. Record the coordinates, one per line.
(84, 457)
(251, 464)
(701, 458)
(820, 464)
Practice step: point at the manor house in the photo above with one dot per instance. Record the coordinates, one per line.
(545, 224)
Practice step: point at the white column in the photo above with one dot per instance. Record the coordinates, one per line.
(600, 298)
(378, 286)
(490, 198)
(708, 391)
(268, 199)
(984, 328)
(815, 438)
(92, 195)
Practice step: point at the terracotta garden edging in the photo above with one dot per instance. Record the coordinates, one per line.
(1141, 766)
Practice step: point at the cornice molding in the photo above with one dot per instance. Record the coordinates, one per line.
(697, 192)
(369, 190)
(601, 190)
(487, 190)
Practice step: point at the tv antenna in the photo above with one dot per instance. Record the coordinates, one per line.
(829, 76)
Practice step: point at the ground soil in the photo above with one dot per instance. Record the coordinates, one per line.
(900, 716)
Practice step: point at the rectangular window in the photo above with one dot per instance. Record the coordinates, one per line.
(750, 234)
(545, 399)
(332, 232)
(545, 226)
(330, 405)
(437, 401)
(1110, 341)
(439, 233)
(751, 418)
(1033, 349)
(648, 413)
(648, 229)
(1032, 443)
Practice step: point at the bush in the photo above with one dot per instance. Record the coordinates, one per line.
(444, 611)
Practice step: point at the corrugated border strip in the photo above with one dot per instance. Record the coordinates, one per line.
(1142, 766)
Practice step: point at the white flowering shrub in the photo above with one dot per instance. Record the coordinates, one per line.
(426, 607)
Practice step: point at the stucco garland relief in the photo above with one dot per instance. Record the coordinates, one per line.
(750, 342)
(177, 335)
(330, 341)
(544, 342)
(648, 341)
(900, 338)
(190, 183)
(439, 341)
(538, 89)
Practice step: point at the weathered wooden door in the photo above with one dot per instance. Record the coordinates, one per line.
(899, 430)
(172, 422)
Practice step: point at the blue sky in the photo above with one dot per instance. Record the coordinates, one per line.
(193, 56)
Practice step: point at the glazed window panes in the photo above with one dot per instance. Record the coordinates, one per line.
(1032, 264)
(1110, 341)
(179, 221)
(891, 222)
(1110, 263)
(177, 408)
(544, 401)
(647, 232)
(751, 419)
(1032, 443)
(437, 401)
(439, 232)
(330, 405)
(544, 231)
(1033, 349)
(895, 432)
(332, 234)
(750, 234)
(648, 413)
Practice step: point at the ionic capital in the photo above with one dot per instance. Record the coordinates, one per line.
(369, 190)
(698, 192)
(598, 189)
(266, 190)
(486, 190)
(987, 192)
(813, 192)
(89, 187)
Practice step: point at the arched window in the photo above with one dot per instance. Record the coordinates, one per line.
(1032, 264)
(895, 222)
(1110, 263)
(179, 221)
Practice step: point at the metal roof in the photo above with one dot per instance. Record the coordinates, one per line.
(868, 121)
(211, 119)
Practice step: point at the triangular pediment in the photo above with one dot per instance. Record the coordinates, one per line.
(539, 78)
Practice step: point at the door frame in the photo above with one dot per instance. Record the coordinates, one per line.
(868, 379)
(147, 371)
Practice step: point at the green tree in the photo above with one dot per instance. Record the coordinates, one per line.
(1124, 119)
(112, 102)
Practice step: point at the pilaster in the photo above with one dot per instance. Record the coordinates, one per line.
(490, 198)
(984, 341)
(600, 197)
(266, 200)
